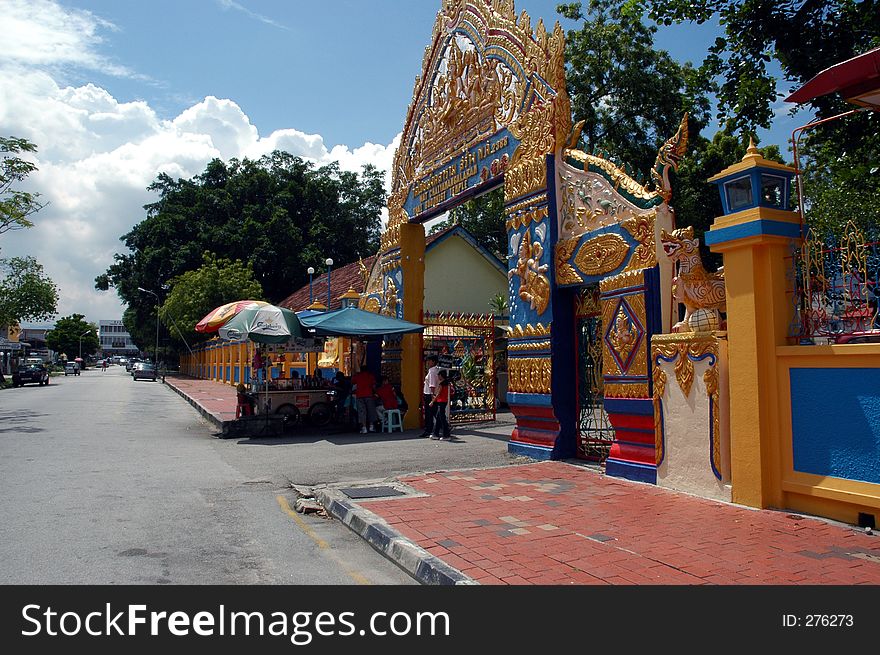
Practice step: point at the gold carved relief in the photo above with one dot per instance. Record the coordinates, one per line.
(602, 254)
(372, 305)
(529, 345)
(710, 377)
(684, 349)
(534, 285)
(528, 169)
(659, 378)
(618, 177)
(529, 374)
(529, 331)
(526, 218)
(623, 337)
(390, 298)
(641, 228)
(624, 333)
(565, 272)
(482, 67)
(622, 281)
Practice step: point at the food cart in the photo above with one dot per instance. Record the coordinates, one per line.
(296, 402)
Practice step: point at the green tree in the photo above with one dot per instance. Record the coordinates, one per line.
(195, 293)
(630, 95)
(26, 292)
(804, 37)
(280, 214)
(65, 336)
(16, 205)
(484, 218)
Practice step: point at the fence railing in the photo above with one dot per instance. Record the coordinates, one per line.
(833, 287)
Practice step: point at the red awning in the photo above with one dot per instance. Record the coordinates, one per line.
(856, 79)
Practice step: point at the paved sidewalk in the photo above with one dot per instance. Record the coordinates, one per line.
(559, 523)
(213, 400)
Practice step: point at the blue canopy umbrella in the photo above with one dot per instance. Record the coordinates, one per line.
(354, 322)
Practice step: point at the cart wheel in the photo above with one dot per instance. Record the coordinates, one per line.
(290, 414)
(320, 414)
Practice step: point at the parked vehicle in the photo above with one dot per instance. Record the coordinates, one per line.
(71, 368)
(30, 374)
(865, 336)
(129, 364)
(143, 371)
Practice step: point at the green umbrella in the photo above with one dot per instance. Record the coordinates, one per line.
(264, 324)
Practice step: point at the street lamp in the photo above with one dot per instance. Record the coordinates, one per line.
(81, 342)
(153, 293)
(311, 271)
(329, 263)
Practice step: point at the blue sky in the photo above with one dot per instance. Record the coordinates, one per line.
(115, 91)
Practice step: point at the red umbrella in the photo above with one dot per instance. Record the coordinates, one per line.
(216, 318)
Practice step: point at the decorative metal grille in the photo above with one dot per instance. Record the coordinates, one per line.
(469, 340)
(595, 433)
(833, 286)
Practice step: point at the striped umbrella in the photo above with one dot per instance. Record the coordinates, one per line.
(216, 318)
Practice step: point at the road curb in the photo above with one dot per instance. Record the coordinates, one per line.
(201, 408)
(415, 560)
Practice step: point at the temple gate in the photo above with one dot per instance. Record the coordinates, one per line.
(490, 107)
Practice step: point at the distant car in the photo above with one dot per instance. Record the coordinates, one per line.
(71, 368)
(144, 371)
(30, 374)
(867, 336)
(129, 364)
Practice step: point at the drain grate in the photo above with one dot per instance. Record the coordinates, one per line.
(371, 492)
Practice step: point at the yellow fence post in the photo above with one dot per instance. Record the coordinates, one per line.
(412, 263)
(755, 236)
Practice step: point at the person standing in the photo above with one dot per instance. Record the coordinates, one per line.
(440, 401)
(364, 384)
(429, 389)
(103, 365)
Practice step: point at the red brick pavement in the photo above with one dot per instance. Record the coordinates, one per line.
(556, 523)
(215, 399)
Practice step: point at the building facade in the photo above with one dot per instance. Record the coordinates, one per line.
(114, 339)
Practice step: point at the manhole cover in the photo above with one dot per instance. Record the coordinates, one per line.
(371, 492)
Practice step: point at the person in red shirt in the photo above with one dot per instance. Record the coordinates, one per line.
(386, 397)
(364, 384)
(440, 401)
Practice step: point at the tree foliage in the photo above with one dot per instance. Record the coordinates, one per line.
(65, 336)
(279, 214)
(483, 217)
(195, 293)
(630, 94)
(26, 292)
(16, 205)
(804, 37)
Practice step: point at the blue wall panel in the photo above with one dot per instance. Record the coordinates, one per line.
(836, 422)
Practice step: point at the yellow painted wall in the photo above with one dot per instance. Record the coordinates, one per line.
(460, 279)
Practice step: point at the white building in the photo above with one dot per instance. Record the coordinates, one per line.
(115, 339)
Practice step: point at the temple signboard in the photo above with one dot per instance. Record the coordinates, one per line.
(479, 167)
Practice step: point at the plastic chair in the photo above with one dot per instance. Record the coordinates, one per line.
(392, 419)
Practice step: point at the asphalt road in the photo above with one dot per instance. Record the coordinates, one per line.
(104, 480)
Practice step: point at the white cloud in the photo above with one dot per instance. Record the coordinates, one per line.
(44, 33)
(231, 4)
(97, 155)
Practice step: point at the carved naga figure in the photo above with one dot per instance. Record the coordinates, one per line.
(702, 293)
(668, 157)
